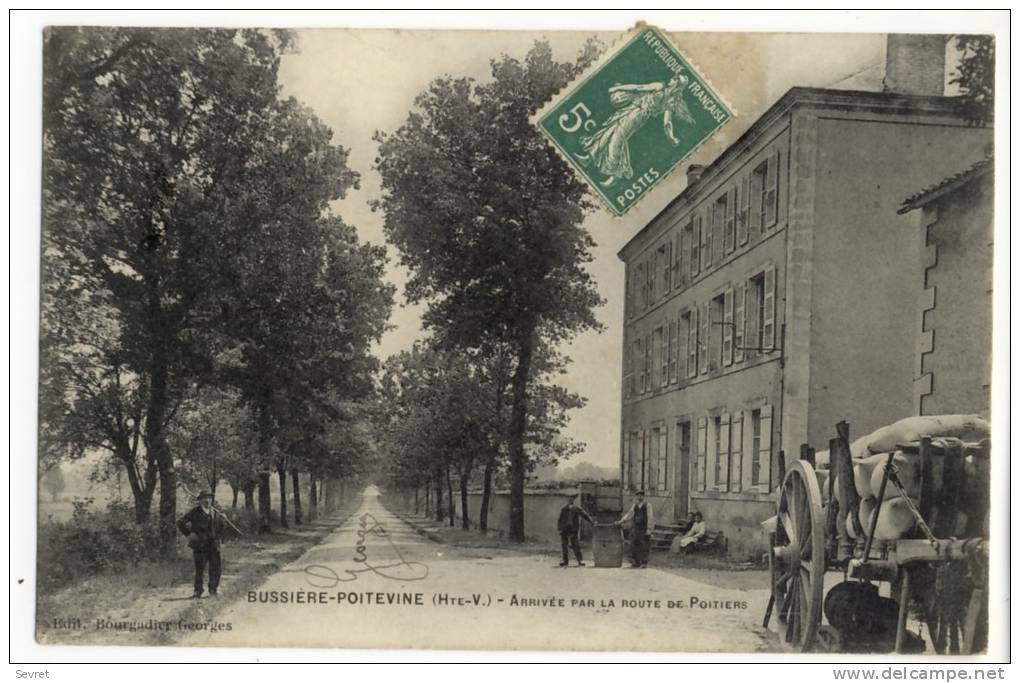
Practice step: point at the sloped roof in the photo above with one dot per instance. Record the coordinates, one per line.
(948, 184)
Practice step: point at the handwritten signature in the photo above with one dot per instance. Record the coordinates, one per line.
(321, 576)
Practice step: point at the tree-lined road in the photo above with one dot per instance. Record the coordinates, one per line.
(424, 594)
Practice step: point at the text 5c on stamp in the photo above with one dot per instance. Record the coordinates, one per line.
(638, 112)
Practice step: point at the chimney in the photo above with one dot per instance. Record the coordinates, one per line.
(915, 64)
(694, 172)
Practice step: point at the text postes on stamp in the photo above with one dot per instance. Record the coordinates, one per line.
(631, 118)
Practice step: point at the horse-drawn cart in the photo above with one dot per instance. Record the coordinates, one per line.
(905, 508)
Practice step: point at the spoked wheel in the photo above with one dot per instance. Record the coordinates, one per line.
(798, 557)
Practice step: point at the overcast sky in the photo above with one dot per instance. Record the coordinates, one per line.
(361, 81)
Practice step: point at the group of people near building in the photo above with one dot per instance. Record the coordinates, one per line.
(641, 519)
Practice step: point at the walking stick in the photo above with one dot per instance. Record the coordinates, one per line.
(215, 510)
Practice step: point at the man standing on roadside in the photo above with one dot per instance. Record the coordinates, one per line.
(640, 535)
(569, 525)
(203, 527)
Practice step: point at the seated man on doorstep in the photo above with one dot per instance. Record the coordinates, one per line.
(569, 525)
(641, 541)
(695, 533)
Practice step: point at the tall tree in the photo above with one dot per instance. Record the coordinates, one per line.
(975, 75)
(488, 219)
(173, 177)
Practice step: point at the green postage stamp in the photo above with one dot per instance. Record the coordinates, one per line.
(631, 118)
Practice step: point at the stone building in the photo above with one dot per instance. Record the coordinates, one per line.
(954, 315)
(775, 296)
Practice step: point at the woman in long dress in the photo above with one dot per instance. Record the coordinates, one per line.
(608, 147)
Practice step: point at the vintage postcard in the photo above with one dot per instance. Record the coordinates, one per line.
(650, 340)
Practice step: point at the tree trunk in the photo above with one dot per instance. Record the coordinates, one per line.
(449, 498)
(281, 473)
(234, 491)
(428, 501)
(440, 510)
(465, 476)
(159, 450)
(518, 425)
(295, 480)
(265, 464)
(265, 504)
(313, 499)
(483, 510)
(416, 500)
(249, 494)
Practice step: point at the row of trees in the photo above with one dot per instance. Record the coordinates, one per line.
(445, 418)
(488, 219)
(199, 298)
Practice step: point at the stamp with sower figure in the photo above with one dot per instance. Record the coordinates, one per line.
(632, 117)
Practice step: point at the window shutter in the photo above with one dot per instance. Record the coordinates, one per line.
(731, 220)
(736, 450)
(696, 239)
(648, 363)
(678, 255)
(644, 459)
(772, 191)
(722, 466)
(674, 342)
(765, 447)
(699, 476)
(718, 232)
(739, 308)
(754, 218)
(692, 342)
(650, 277)
(769, 324)
(727, 349)
(664, 351)
(742, 214)
(703, 339)
(706, 241)
(666, 268)
(662, 478)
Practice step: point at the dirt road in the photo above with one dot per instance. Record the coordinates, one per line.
(375, 582)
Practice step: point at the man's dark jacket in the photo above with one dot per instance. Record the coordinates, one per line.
(569, 521)
(205, 526)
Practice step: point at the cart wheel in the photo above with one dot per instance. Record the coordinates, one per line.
(797, 558)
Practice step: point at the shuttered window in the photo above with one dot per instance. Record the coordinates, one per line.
(730, 225)
(759, 180)
(674, 342)
(639, 361)
(727, 328)
(678, 257)
(703, 339)
(771, 197)
(736, 450)
(706, 241)
(662, 468)
(691, 321)
(743, 216)
(650, 278)
(667, 261)
(662, 356)
(652, 461)
(700, 469)
(739, 307)
(648, 364)
(761, 445)
(719, 229)
(768, 327)
(695, 245)
(722, 454)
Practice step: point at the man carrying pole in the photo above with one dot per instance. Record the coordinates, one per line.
(203, 526)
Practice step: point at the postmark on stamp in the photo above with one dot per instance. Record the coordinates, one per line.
(632, 117)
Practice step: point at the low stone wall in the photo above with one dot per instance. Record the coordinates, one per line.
(541, 510)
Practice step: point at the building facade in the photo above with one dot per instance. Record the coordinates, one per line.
(954, 315)
(772, 298)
